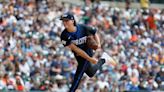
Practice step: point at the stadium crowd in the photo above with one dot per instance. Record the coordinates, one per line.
(33, 58)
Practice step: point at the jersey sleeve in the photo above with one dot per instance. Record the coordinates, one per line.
(65, 39)
(90, 30)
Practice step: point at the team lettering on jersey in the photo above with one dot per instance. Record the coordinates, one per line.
(80, 40)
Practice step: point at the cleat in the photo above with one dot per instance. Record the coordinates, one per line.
(108, 59)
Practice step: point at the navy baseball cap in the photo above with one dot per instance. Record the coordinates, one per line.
(67, 16)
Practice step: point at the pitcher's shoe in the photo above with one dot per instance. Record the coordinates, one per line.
(108, 59)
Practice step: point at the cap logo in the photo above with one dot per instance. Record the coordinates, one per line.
(64, 16)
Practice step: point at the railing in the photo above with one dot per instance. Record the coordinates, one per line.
(120, 3)
(137, 1)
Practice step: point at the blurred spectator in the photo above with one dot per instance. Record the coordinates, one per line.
(55, 67)
(24, 67)
(19, 85)
(151, 21)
